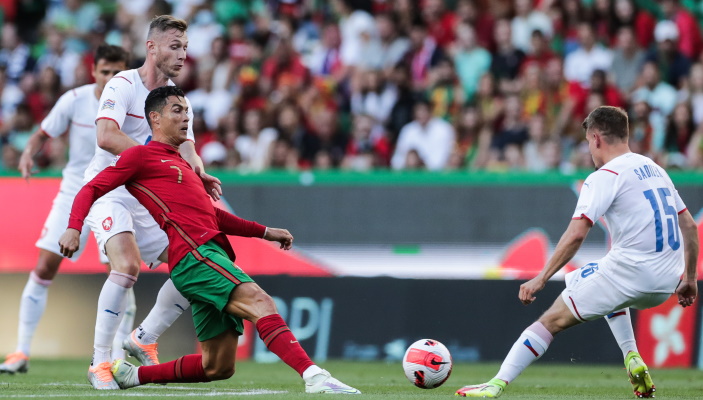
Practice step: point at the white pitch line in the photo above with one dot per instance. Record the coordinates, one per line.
(255, 392)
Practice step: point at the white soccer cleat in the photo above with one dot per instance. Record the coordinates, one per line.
(100, 377)
(125, 374)
(15, 362)
(146, 354)
(323, 382)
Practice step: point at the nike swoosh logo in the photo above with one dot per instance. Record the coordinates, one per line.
(166, 160)
(293, 341)
(112, 312)
(435, 362)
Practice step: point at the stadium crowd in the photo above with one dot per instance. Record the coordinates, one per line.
(362, 84)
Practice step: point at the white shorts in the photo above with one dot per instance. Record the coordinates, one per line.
(591, 294)
(117, 212)
(57, 221)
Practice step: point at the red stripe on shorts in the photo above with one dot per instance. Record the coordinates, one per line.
(576, 309)
(216, 267)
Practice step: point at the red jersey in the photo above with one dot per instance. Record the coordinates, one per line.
(162, 181)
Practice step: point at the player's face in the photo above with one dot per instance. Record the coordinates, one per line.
(174, 120)
(170, 51)
(104, 70)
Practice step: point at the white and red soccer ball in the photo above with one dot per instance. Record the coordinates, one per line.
(427, 363)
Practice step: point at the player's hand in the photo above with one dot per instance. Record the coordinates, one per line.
(213, 186)
(281, 236)
(686, 292)
(26, 165)
(69, 242)
(529, 289)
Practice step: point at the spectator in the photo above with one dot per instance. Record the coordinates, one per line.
(471, 62)
(57, 56)
(512, 130)
(374, 96)
(446, 95)
(325, 58)
(283, 68)
(283, 155)
(641, 128)
(489, 101)
(214, 104)
(431, 138)
(690, 42)
(407, 13)
(325, 145)
(218, 61)
(363, 152)
(202, 30)
(468, 13)
(590, 56)
(527, 20)
(472, 140)
(357, 28)
(539, 53)
(42, 93)
(693, 92)
(255, 145)
(627, 14)
(402, 111)
(288, 123)
(75, 18)
(627, 60)
(674, 64)
(679, 132)
(541, 152)
(15, 56)
(440, 22)
(423, 55)
(10, 96)
(661, 98)
(507, 60)
(392, 47)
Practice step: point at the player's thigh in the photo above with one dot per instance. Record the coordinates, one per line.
(151, 239)
(589, 294)
(250, 302)
(123, 253)
(206, 278)
(219, 354)
(644, 301)
(55, 225)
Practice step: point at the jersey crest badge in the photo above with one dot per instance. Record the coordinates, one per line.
(108, 104)
(114, 161)
(107, 224)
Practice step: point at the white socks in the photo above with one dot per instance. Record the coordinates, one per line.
(111, 307)
(311, 371)
(533, 342)
(126, 325)
(621, 326)
(169, 305)
(32, 305)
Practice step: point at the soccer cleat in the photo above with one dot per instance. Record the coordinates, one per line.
(146, 354)
(15, 362)
(639, 376)
(325, 383)
(100, 377)
(491, 389)
(125, 374)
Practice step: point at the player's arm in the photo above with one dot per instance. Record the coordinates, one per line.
(35, 143)
(567, 247)
(232, 225)
(121, 171)
(688, 287)
(111, 138)
(213, 186)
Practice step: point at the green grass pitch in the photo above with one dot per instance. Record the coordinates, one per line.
(65, 379)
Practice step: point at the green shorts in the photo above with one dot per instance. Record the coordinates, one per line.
(206, 277)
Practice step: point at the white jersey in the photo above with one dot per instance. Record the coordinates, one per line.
(73, 112)
(640, 206)
(123, 101)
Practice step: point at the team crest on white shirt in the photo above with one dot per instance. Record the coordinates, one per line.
(114, 161)
(107, 224)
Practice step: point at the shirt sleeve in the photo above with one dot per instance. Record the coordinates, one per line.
(235, 226)
(123, 168)
(116, 99)
(59, 118)
(597, 194)
(678, 201)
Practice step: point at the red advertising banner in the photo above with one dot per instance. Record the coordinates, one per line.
(24, 207)
(666, 334)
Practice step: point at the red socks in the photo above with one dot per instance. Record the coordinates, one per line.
(279, 339)
(185, 369)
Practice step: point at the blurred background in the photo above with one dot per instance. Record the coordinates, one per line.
(426, 155)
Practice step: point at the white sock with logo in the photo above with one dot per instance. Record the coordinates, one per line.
(533, 342)
(32, 306)
(126, 326)
(111, 305)
(621, 325)
(311, 371)
(169, 305)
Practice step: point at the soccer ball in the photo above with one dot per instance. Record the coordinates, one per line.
(427, 363)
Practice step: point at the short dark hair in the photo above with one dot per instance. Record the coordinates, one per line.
(156, 100)
(111, 54)
(610, 121)
(163, 23)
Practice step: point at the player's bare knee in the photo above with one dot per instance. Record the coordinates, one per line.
(265, 304)
(130, 267)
